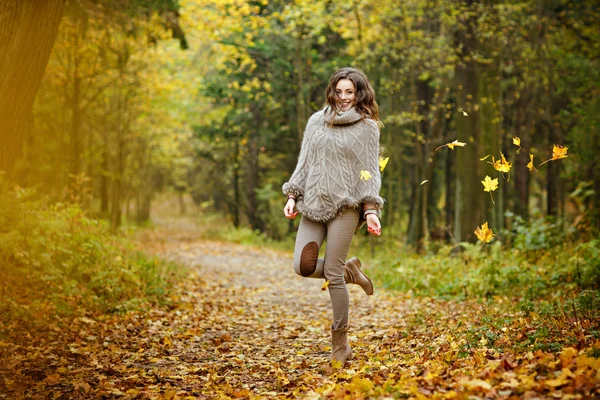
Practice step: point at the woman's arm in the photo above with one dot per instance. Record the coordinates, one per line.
(295, 186)
(371, 200)
(369, 188)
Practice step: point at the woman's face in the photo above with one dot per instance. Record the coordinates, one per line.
(345, 94)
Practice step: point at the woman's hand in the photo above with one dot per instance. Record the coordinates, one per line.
(288, 210)
(373, 224)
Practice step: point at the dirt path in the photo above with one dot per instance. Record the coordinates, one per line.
(246, 324)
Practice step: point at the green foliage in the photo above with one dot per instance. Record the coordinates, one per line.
(497, 270)
(536, 235)
(58, 262)
(216, 230)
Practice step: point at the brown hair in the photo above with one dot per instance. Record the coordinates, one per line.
(365, 95)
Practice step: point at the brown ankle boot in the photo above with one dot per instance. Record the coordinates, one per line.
(340, 349)
(353, 274)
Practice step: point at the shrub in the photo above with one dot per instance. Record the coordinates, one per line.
(58, 262)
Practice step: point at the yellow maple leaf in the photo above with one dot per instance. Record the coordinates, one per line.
(530, 165)
(501, 165)
(325, 286)
(484, 234)
(505, 164)
(517, 142)
(558, 152)
(383, 162)
(489, 185)
(452, 144)
(365, 175)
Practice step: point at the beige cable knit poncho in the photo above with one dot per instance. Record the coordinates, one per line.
(327, 177)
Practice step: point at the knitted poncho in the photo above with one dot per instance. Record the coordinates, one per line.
(327, 178)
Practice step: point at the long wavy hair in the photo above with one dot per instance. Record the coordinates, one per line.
(365, 95)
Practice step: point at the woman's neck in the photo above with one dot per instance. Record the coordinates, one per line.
(342, 117)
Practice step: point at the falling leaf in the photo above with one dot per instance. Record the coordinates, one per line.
(325, 286)
(517, 142)
(484, 234)
(530, 165)
(465, 113)
(558, 152)
(365, 175)
(452, 144)
(501, 165)
(485, 158)
(489, 185)
(383, 162)
(425, 181)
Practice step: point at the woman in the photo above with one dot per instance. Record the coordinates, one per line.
(335, 195)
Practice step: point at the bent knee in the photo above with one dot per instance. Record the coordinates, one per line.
(335, 280)
(307, 264)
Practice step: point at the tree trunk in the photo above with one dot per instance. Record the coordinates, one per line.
(104, 195)
(119, 167)
(553, 185)
(417, 231)
(300, 99)
(27, 32)
(75, 123)
(469, 209)
(181, 198)
(450, 176)
(521, 173)
(236, 183)
(146, 189)
(252, 176)
(491, 142)
(117, 182)
(552, 188)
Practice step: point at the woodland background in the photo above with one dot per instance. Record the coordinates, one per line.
(108, 105)
(211, 98)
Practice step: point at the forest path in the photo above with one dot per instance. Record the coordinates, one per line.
(241, 324)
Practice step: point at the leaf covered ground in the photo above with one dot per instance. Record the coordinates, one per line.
(240, 324)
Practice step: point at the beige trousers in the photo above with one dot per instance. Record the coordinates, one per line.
(310, 237)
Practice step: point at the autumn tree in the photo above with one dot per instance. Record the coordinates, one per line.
(27, 33)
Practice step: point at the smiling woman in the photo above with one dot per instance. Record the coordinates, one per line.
(345, 94)
(350, 87)
(340, 147)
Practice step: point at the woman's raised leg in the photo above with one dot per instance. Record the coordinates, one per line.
(309, 239)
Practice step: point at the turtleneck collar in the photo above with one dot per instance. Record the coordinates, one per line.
(343, 117)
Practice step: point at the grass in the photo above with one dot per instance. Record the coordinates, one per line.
(59, 264)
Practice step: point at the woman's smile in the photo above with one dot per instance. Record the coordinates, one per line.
(345, 94)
